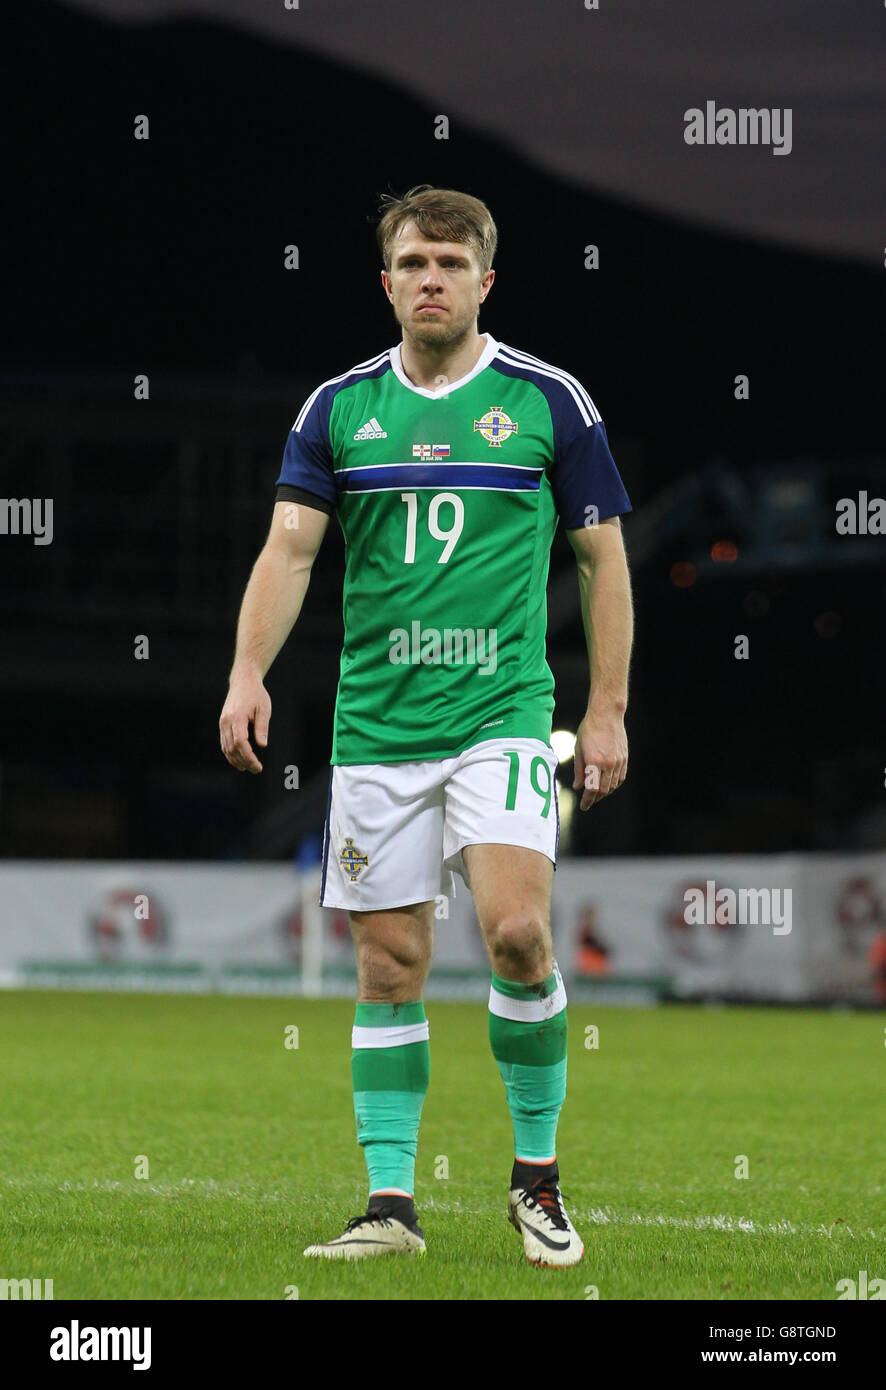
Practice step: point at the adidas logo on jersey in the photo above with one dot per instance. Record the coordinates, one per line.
(371, 430)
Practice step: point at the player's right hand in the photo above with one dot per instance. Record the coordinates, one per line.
(248, 703)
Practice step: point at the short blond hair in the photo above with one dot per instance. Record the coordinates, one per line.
(440, 214)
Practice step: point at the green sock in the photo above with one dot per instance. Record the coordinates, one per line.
(390, 1069)
(528, 1033)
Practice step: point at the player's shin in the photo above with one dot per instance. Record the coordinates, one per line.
(528, 1036)
(390, 1068)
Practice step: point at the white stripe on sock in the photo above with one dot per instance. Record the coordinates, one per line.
(529, 1010)
(389, 1037)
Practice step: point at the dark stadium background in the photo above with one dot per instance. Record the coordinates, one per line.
(166, 257)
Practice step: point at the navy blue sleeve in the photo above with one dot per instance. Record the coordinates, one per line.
(307, 458)
(583, 474)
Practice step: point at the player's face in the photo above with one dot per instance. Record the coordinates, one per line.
(436, 288)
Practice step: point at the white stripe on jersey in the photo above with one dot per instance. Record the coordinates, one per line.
(589, 412)
(352, 371)
(444, 463)
(518, 357)
(462, 487)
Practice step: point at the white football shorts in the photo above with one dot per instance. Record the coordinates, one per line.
(395, 832)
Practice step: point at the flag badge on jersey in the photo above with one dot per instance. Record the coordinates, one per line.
(430, 451)
(496, 426)
(353, 860)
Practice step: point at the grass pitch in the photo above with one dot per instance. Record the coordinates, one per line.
(247, 1153)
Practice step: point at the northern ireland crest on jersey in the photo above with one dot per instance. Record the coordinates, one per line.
(353, 860)
(496, 426)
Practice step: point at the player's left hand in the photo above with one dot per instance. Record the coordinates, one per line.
(601, 757)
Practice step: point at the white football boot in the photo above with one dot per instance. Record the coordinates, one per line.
(549, 1237)
(376, 1233)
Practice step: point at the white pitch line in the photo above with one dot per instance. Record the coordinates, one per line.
(203, 1187)
(597, 1216)
(607, 1216)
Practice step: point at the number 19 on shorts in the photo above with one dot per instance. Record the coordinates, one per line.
(539, 776)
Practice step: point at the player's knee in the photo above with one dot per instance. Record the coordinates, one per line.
(519, 942)
(389, 968)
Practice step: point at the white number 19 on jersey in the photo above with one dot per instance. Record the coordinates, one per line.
(450, 536)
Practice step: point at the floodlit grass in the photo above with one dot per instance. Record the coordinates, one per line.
(251, 1153)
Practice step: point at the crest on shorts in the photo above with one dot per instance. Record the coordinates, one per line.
(353, 860)
(495, 426)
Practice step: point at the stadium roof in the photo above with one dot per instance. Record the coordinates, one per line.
(599, 96)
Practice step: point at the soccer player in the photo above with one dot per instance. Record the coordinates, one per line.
(448, 460)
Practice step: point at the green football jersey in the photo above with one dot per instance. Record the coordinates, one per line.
(448, 501)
